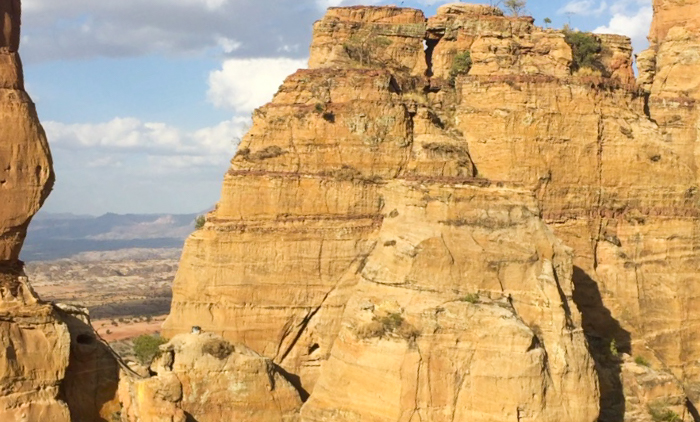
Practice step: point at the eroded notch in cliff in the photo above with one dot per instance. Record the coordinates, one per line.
(430, 42)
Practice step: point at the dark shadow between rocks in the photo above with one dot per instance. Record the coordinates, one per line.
(692, 410)
(92, 377)
(606, 339)
(295, 380)
(189, 418)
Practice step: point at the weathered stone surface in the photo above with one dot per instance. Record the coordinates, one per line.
(52, 368)
(649, 394)
(673, 13)
(372, 194)
(92, 376)
(354, 199)
(498, 45)
(35, 345)
(205, 378)
(34, 353)
(26, 173)
(385, 36)
(456, 315)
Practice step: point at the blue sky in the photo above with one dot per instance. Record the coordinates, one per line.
(144, 102)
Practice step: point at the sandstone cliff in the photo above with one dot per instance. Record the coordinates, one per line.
(439, 220)
(52, 368)
(29, 375)
(387, 229)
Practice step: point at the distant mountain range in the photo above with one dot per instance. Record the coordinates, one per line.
(55, 236)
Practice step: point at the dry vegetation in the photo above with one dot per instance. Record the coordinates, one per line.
(126, 298)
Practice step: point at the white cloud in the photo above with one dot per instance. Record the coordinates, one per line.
(77, 29)
(105, 161)
(584, 8)
(244, 84)
(132, 136)
(126, 165)
(228, 45)
(635, 25)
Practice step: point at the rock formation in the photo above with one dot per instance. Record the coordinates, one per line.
(26, 172)
(29, 375)
(384, 230)
(52, 368)
(202, 377)
(452, 218)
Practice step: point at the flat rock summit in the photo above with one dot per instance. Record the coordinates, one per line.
(453, 218)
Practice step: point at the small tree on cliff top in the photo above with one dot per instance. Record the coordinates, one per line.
(515, 7)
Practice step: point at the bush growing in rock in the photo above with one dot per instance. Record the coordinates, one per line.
(585, 48)
(660, 412)
(461, 65)
(219, 348)
(146, 347)
(384, 326)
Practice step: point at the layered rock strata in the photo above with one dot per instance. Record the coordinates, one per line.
(376, 225)
(357, 240)
(26, 172)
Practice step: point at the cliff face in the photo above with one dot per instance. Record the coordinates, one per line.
(26, 173)
(355, 246)
(29, 376)
(387, 229)
(45, 351)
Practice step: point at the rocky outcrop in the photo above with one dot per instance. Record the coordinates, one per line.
(35, 345)
(52, 367)
(34, 355)
(26, 172)
(203, 377)
(383, 223)
(457, 314)
(355, 245)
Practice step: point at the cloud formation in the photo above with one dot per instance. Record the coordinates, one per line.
(77, 29)
(627, 17)
(635, 25)
(130, 135)
(244, 84)
(127, 165)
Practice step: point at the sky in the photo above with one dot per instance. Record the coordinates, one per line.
(144, 102)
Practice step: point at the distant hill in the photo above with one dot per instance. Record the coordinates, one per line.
(55, 236)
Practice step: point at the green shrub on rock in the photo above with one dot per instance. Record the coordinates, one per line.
(461, 65)
(585, 48)
(146, 347)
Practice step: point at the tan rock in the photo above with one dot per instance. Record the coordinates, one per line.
(456, 316)
(26, 173)
(372, 194)
(35, 346)
(673, 13)
(34, 353)
(52, 367)
(384, 36)
(204, 377)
